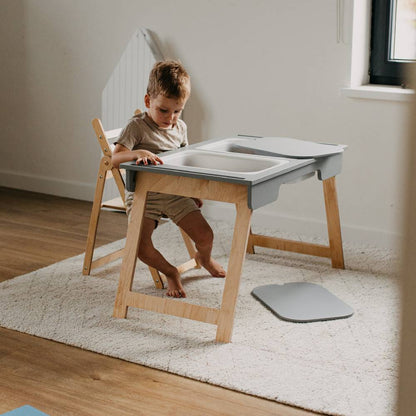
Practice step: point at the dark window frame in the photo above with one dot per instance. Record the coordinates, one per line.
(382, 69)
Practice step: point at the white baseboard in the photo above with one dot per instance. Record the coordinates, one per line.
(47, 185)
(306, 226)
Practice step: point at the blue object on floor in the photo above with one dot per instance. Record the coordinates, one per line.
(24, 411)
(302, 302)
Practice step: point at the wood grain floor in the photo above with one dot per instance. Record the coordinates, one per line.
(37, 230)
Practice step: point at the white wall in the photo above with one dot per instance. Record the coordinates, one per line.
(265, 67)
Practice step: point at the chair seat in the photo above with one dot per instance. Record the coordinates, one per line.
(115, 203)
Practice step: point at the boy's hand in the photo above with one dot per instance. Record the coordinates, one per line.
(145, 157)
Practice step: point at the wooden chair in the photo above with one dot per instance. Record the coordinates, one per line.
(107, 171)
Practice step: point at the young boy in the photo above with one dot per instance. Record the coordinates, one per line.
(157, 130)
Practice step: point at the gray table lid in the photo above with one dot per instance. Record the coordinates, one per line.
(285, 146)
(302, 302)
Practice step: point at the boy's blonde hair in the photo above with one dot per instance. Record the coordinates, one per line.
(170, 79)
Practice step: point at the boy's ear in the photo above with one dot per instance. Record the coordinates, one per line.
(147, 101)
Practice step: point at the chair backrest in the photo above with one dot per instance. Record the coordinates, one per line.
(106, 138)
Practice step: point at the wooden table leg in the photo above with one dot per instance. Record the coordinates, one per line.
(235, 266)
(333, 223)
(130, 253)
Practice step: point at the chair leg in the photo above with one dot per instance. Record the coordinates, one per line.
(190, 247)
(95, 215)
(119, 182)
(157, 278)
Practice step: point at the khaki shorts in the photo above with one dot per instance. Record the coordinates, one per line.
(163, 205)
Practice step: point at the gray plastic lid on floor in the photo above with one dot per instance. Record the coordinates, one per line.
(302, 302)
(288, 147)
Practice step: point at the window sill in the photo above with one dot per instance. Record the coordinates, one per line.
(379, 92)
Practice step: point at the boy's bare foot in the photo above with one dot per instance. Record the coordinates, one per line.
(214, 268)
(175, 288)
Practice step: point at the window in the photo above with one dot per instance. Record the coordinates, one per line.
(393, 40)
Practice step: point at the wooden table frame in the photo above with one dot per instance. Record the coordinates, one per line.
(334, 251)
(197, 188)
(224, 192)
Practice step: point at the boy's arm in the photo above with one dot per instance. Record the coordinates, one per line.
(123, 154)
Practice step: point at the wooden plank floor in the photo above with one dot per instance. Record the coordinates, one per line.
(37, 230)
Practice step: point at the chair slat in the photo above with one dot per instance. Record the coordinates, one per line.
(113, 134)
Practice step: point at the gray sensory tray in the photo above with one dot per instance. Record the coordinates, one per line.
(302, 302)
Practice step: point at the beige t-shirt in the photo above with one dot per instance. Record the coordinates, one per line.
(142, 132)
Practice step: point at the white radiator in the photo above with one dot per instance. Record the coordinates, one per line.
(125, 90)
(126, 87)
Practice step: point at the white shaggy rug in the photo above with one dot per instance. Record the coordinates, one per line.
(339, 367)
